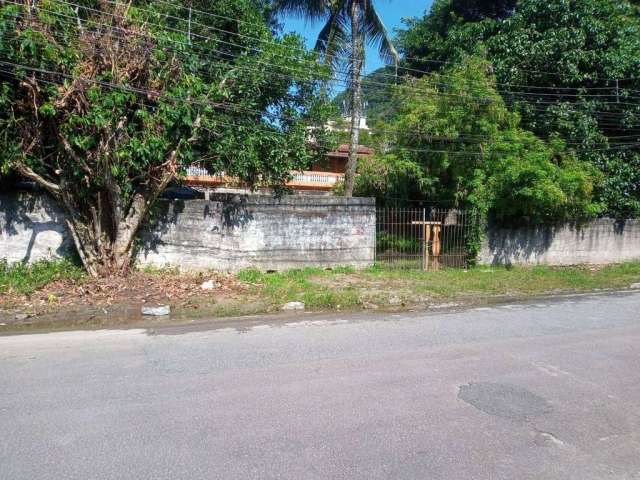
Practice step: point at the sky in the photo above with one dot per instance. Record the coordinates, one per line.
(391, 12)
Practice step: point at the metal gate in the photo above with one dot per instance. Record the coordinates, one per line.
(423, 238)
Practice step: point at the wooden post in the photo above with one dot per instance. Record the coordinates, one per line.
(435, 240)
(437, 246)
(427, 238)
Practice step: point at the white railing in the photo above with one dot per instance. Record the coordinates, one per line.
(200, 171)
(198, 174)
(316, 177)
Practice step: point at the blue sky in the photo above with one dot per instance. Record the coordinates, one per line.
(391, 11)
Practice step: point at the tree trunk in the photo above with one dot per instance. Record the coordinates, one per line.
(357, 59)
(104, 240)
(102, 228)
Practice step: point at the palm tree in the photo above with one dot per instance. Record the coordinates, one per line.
(349, 26)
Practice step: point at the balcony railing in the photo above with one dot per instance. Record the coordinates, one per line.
(198, 176)
(314, 180)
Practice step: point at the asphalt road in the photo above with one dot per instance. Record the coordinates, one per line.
(548, 390)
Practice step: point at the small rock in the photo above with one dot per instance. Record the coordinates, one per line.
(444, 305)
(156, 311)
(395, 301)
(21, 316)
(370, 306)
(293, 306)
(209, 285)
(635, 286)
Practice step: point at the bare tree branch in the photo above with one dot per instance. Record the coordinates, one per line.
(69, 149)
(27, 172)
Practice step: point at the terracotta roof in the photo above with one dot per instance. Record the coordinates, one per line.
(343, 151)
(362, 150)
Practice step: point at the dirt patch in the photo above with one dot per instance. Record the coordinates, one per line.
(92, 299)
(388, 291)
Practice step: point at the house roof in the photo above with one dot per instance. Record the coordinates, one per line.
(343, 151)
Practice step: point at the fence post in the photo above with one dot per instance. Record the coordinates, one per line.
(426, 233)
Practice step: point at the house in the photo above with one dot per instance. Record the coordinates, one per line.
(320, 179)
(336, 161)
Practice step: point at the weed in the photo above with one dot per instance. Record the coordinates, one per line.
(23, 278)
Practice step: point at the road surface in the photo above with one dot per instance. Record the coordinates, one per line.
(545, 390)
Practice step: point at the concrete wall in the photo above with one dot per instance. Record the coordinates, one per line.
(230, 232)
(599, 242)
(233, 232)
(31, 228)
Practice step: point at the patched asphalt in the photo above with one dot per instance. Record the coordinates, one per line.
(548, 389)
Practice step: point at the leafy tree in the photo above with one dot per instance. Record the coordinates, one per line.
(476, 10)
(350, 25)
(456, 142)
(556, 64)
(105, 104)
(530, 181)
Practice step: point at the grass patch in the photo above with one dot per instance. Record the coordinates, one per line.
(300, 285)
(25, 278)
(346, 288)
(159, 270)
(343, 288)
(452, 283)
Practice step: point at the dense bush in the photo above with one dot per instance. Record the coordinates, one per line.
(568, 67)
(454, 141)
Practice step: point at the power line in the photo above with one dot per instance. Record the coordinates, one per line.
(464, 96)
(237, 108)
(277, 132)
(209, 14)
(281, 55)
(271, 42)
(337, 79)
(344, 58)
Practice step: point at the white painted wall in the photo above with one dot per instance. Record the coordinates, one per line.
(601, 241)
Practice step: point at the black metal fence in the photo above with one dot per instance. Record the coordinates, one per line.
(423, 238)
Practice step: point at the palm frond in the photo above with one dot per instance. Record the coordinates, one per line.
(307, 9)
(333, 39)
(377, 33)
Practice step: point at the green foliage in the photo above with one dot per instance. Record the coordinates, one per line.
(378, 284)
(300, 285)
(531, 182)
(25, 278)
(221, 80)
(555, 63)
(391, 176)
(483, 281)
(387, 241)
(455, 141)
(336, 38)
(481, 9)
(105, 121)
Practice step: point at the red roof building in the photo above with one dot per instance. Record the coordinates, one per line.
(322, 177)
(336, 161)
